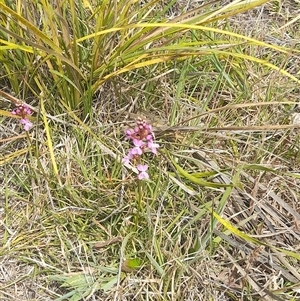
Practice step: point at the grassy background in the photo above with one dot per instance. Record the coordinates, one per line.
(220, 215)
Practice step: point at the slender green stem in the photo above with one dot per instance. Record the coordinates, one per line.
(140, 197)
(139, 204)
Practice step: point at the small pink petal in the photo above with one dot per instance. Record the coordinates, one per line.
(153, 147)
(142, 167)
(126, 160)
(143, 175)
(27, 124)
(149, 138)
(138, 143)
(128, 133)
(137, 151)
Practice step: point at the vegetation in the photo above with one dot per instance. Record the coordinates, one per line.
(214, 89)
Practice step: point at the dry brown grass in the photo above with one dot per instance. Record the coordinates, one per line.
(48, 229)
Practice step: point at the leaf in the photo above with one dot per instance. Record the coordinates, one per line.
(129, 265)
(235, 230)
(248, 238)
(155, 264)
(103, 244)
(49, 141)
(197, 180)
(204, 174)
(109, 282)
(14, 155)
(196, 247)
(78, 281)
(258, 167)
(81, 284)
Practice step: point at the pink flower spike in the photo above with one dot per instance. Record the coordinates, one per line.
(143, 171)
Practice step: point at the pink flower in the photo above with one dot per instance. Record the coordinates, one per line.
(136, 151)
(153, 147)
(23, 111)
(138, 147)
(26, 110)
(149, 137)
(143, 171)
(138, 143)
(129, 134)
(27, 124)
(126, 159)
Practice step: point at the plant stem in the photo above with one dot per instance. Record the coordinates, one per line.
(139, 204)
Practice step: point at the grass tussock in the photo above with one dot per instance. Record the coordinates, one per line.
(219, 217)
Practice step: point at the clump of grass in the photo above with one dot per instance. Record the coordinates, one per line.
(222, 195)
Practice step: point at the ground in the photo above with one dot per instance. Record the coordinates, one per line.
(79, 228)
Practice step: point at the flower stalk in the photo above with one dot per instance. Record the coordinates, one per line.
(142, 137)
